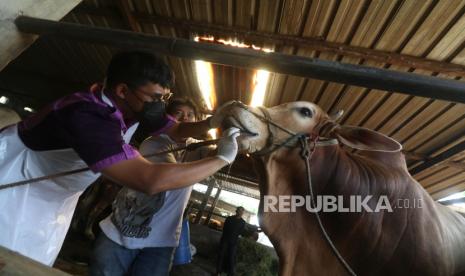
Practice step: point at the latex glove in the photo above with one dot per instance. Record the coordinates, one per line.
(216, 119)
(227, 146)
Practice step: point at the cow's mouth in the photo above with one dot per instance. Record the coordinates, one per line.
(230, 121)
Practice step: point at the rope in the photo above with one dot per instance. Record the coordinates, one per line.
(306, 154)
(189, 147)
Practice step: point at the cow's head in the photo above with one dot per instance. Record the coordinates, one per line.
(299, 117)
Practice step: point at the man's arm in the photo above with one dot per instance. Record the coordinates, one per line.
(151, 178)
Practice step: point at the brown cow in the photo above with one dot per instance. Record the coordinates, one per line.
(425, 240)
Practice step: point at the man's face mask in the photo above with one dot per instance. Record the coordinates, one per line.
(152, 115)
(154, 106)
(152, 112)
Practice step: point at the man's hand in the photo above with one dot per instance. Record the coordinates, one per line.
(227, 147)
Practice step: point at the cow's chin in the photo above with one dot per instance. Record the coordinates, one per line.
(250, 144)
(253, 133)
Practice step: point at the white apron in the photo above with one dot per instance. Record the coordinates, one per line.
(34, 218)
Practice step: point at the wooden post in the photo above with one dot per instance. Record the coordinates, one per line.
(370, 77)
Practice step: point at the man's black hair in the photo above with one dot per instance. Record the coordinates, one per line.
(181, 101)
(137, 68)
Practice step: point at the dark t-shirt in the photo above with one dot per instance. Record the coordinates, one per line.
(233, 227)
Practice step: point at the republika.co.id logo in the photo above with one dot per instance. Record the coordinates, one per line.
(331, 203)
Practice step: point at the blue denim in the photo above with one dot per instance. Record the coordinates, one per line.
(112, 259)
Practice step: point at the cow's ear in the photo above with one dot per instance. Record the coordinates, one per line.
(365, 139)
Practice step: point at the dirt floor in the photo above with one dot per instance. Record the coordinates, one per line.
(76, 251)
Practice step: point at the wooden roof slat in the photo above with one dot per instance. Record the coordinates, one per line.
(391, 104)
(432, 28)
(186, 82)
(292, 89)
(458, 187)
(343, 24)
(311, 90)
(186, 85)
(421, 119)
(403, 115)
(438, 128)
(179, 8)
(350, 99)
(267, 15)
(222, 12)
(444, 173)
(244, 13)
(320, 15)
(406, 18)
(201, 10)
(377, 14)
(446, 182)
(444, 157)
(455, 142)
(427, 173)
(366, 107)
(292, 17)
(273, 92)
(454, 39)
(412, 106)
(94, 53)
(330, 95)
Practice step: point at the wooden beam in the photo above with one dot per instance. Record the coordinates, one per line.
(424, 158)
(13, 42)
(460, 147)
(12, 263)
(370, 77)
(314, 43)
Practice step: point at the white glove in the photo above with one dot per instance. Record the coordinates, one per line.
(227, 146)
(216, 119)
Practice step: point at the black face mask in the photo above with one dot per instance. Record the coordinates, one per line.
(151, 118)
(152, 111)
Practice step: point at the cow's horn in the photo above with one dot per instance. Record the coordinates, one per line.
(336, 116)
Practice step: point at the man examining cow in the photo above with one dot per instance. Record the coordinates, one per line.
(140, 236)
(93, 128)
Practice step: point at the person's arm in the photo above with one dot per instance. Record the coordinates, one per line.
(151, 178)
(185, 130)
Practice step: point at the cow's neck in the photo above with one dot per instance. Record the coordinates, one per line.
(296, 235)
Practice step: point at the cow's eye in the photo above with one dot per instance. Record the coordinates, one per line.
(306, 112)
